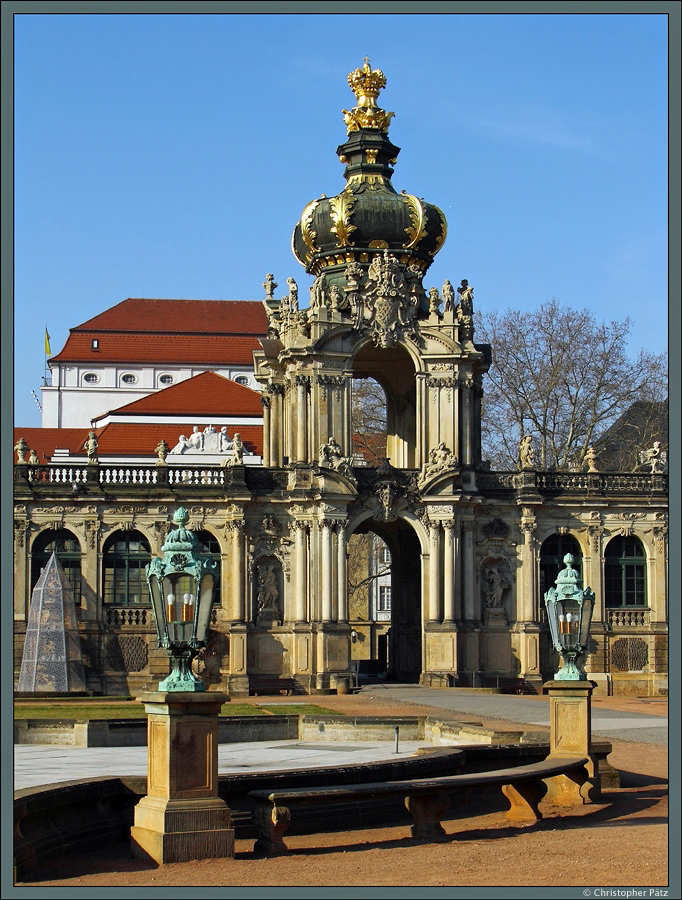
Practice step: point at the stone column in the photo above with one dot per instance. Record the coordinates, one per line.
(326, 570)
(301, 553)
(267, 437)
(467, 416)
(342, 592)
(469, 586)
(301, 418)
(449, 573)
(238, 562)
(182, 817)
(570, 735)
(526, 602)
(434, 573)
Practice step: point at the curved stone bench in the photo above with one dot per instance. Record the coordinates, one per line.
(428, 800)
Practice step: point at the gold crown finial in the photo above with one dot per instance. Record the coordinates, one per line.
(366, 84)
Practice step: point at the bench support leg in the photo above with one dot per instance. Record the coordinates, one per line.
(574, 789)
(427, 811)
(524, 798)
(271, 822)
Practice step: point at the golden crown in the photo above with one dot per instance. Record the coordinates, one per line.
(366, 83)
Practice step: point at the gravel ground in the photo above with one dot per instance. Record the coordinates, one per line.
(620, 842)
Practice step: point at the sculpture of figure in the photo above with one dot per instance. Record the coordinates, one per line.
(336, 297)
(181, 445)
(33, 459)
(331, 456)
(268, 592)
(448, 296)
(466, 298)
(591, 459)
(497, 584)
(655, 457)
(161, 451)
(224, 442)
(196, 439)
(434, 301)
(441, 458)
(293, 294)
(269, 286)
(237, 450)
(317, 293)
(90, 446)
(21, 449)
(526, 452)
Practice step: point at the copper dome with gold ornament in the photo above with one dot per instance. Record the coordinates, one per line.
(368, 217)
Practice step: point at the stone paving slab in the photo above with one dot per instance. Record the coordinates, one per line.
(40, 764)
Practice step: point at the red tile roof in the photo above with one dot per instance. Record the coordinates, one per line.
(209, 350)
(140, 440)
(152, 316)
(45, 440)
(204, 332)
(206, 394)
(124, 440)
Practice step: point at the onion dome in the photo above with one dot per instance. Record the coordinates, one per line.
(368, 216)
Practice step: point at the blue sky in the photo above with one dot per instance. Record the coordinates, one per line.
(171, 156)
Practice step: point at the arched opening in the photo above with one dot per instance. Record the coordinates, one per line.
(368, 422)
(209, 548)
(624, 573)
(384, 601)
(67, 548)
(125, 555)
(392, 368)
(552, 553)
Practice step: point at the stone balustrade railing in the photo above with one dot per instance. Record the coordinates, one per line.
(619, 618)
(217, 476)
(128, 615)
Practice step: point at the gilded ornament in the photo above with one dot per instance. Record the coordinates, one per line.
(366, 84)
(340, 210)
(307, 233)
(417, 230)
(440, 240)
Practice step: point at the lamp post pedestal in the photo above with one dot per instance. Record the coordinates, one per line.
(182, 817)
(570, 730)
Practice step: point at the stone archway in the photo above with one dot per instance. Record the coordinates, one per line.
(403, 642)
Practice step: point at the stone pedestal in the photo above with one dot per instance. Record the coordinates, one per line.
(182, 817)
(570, 734)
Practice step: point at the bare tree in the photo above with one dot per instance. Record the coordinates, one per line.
(368, 419)
(563, 378)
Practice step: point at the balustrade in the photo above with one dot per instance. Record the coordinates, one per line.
(624, 618)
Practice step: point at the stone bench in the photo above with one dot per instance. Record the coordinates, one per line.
(428, 800)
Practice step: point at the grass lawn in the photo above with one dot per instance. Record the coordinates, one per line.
(95, 709)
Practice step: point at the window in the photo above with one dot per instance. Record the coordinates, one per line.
(552, 559)
(91, 378)
(129, 379)
(126, 553)
(624, 573)
(95, 344)
(242, 379)
(65, 544)
(210, 549)
(166, 379)
(384, 604)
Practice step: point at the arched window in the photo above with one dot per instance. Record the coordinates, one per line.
(552, 555)
(126, 553)
(68, 550)
(624, 573)
(210, 549)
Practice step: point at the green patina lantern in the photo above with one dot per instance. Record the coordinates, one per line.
(181, 586)
(569, 612)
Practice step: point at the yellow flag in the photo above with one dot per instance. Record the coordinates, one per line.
(48, 352)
